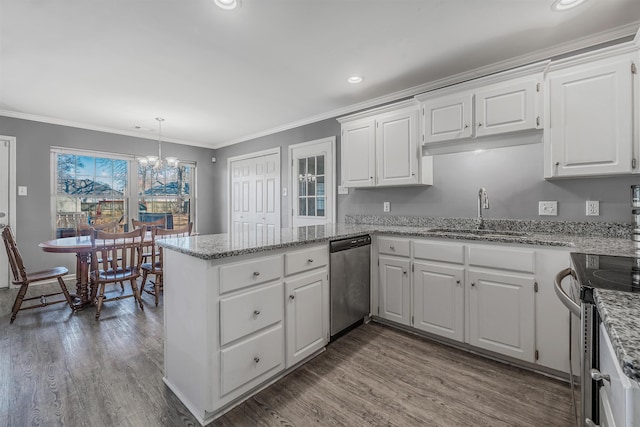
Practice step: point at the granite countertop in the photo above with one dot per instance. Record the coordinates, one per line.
(217, 246)
(619, 311)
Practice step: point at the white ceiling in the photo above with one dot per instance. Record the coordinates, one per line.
(220, 77)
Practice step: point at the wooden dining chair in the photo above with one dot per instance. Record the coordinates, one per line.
(24, 279)
(115, 258)
(155, 267)
(159, 223)
(162, 222)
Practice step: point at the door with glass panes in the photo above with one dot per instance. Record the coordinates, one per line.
(312, 182)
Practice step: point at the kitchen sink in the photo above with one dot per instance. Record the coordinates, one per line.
(476, 232)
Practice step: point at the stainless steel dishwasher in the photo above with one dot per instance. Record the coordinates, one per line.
(350, 283)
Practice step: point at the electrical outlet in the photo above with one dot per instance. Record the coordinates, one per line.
(343, 190)
(548, 208)
(22, 190)
(593, 208)
(386, 206)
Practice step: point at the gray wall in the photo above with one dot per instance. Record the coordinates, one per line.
(34, 141)
(513, 177)
(323, 129)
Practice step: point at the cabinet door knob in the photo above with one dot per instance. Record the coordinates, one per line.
(599, 376)
(256, 273)
(292, 297)
(256, 312)
(457, 282)
(310, 260)
(256, 359)
(404, 272)
(479, 125)
(473, 284)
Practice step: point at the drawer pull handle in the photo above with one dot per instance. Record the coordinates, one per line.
(310, 260)
(256, 273)
(393, 248)
(599, 376)
(292, 297)
(256, 312)
(256, 359)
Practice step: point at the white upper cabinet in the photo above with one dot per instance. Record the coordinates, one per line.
(591, 117)
(397, 152)
(498, 104)
(447, 118)
(507, 108)
(380, 148)
(358, 153)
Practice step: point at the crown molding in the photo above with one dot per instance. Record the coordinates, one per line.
(408, 103)
(88, 126)
(536, 56)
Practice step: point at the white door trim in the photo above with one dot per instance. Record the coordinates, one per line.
(12, 186)
(332, 141)
(230, 160)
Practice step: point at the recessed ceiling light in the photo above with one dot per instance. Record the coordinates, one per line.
(355, 79)
(227, 4)
(561, 5)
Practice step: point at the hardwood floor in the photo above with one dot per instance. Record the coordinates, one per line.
(63, 369)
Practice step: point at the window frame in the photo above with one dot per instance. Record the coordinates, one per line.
(131, 197)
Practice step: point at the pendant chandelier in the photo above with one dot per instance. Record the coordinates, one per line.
(157, 161)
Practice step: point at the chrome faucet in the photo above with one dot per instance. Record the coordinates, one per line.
(483, 202)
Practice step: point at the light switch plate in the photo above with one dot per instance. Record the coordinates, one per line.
(284, 191)
(548, 208)
(386, 206)
(22, 190)
(343, 190)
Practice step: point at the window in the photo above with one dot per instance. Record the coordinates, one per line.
(166, 192)
(90, 190)
(311, 193)
(94, 188)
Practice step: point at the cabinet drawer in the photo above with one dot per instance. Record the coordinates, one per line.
(393, 246)
(502, 258)
(306, 259)
(439, 251)
(249, 359)
(243, 314)
(248, 273)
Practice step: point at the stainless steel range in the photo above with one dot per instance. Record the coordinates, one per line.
(593, 272)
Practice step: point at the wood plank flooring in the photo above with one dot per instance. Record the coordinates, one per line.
(63, 369)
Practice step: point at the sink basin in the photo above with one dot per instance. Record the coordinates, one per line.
(479, 232)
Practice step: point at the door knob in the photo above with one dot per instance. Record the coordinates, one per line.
(3, 225)
(3, 214)
(292, 297)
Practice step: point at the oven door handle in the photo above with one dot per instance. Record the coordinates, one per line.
(562, 295)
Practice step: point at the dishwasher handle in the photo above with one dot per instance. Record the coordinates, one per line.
(354, 242)
(562, 295)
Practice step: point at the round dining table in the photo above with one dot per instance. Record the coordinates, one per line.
(81, 246)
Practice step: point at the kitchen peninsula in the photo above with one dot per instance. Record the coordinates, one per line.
(240, 315)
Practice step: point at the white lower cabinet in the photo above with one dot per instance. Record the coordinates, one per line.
(501, 313)
(395, 289)
(438, 299)
(307, 309)
(241, 323)
(492, 296)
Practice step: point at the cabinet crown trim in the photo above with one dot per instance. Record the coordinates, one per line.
(630, 47)
(390, 108)
(532, 71)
